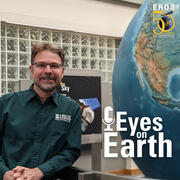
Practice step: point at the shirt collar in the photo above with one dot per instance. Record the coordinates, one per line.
(55, 98)
(32, 93)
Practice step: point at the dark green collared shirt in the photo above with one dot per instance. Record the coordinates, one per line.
(32, 134)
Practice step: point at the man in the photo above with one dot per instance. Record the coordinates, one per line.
(40, 130)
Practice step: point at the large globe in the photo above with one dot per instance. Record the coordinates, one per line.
(146, 82)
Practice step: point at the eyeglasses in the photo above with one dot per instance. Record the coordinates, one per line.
(43, 65)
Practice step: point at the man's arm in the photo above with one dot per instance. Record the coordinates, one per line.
(3, 167)
(71, 151)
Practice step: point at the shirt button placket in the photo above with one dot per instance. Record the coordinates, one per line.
(37, 140)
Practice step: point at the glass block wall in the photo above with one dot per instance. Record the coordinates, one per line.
(82, 51)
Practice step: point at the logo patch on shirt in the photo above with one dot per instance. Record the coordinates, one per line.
(63, 117)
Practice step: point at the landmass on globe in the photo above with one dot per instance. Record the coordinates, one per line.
(155, 66)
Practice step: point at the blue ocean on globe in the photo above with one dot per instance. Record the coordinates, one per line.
(146, 82)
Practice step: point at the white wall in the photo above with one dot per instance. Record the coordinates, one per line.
(89, 16)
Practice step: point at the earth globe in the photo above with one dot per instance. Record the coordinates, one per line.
(146, 83)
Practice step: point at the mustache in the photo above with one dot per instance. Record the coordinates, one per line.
(49, 77)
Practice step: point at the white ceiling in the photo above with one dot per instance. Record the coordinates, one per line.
(134, 1)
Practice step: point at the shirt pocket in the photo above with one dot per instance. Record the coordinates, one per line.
(58, 134)
(60, 127)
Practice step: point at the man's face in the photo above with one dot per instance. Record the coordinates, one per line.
(47, 77)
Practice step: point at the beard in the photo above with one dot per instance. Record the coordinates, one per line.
(48, 86)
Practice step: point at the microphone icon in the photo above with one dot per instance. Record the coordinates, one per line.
(108, 121)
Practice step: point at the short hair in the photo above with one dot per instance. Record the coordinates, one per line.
(38, 47)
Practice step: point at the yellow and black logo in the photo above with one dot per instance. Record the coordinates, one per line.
(165, 23)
